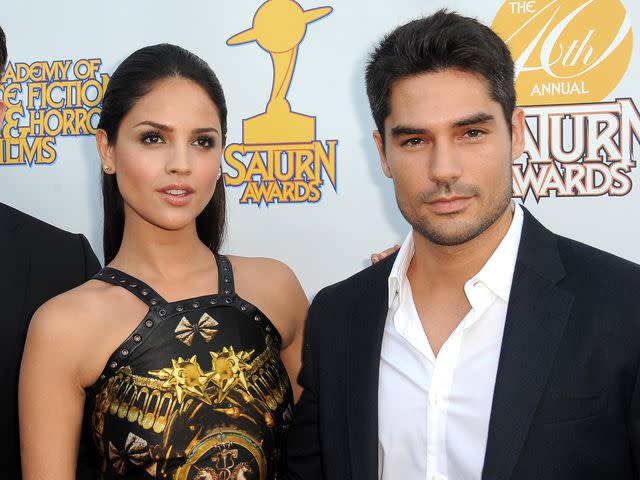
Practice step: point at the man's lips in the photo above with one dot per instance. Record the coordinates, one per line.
(176, 195)
(449, 204)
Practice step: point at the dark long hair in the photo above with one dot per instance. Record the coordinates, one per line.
(132, 80)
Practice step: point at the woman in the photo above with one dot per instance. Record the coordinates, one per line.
(176, 357)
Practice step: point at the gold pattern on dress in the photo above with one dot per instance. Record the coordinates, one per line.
(236, 387)
(225, 467)
(185, 330)
(186, 377)
(219, 444)
(228, 369)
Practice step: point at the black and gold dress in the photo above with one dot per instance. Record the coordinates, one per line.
(197, 391)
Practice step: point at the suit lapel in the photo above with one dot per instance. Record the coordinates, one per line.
(365, 342)
(536, 317)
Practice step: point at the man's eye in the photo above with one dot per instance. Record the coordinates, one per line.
(412, 142)
(474, 133)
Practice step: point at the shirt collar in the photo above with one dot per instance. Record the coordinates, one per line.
(496, 274)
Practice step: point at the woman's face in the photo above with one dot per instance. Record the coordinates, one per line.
(167, 155)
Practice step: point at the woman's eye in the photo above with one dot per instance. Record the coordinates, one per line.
(204, 142)
(151, 138)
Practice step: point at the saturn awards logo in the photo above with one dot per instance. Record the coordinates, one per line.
(47, 100)
(280, 160)
(569, 55)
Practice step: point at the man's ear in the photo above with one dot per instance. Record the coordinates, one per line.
(517, 133)
(382, 154)
(106, 152)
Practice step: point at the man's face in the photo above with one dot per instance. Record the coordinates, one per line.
(449, 152)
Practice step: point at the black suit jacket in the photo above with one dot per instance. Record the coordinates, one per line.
(37, 262)
(566, 403)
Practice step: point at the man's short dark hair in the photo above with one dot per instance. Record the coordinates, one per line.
(444, 40)
(3, 51)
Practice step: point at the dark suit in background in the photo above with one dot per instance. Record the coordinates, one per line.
(37, 262)
(566, 404)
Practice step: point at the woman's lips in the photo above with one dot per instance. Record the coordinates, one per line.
(176, 195)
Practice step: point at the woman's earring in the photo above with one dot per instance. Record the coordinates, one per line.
(107, 168)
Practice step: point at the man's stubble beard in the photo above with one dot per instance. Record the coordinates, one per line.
(463, 235)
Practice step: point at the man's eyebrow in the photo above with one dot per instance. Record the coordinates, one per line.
(474, 120)
(399, 130)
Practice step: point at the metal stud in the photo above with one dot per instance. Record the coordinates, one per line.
(103, 376)
(145, 292)
(153, 301)
(149, 323)
(227, 291)
(227, 280)
(113, 365)
(196, 304)
(257, 318)
(213, 301)
(228, 299)
(137, 337)
(162, 312)
(112, 277)
(133, 285)
(243, 307)
(179, 308)
(124, 352)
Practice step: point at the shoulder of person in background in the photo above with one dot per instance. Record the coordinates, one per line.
(38, 261)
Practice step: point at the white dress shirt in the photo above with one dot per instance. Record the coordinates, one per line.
(434, 411)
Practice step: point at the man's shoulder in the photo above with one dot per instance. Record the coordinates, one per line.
(365, 282)
(595, 264)
(33, 228)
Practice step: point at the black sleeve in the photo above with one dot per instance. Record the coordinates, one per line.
(91, 263)
(634, 424)
(303, 448)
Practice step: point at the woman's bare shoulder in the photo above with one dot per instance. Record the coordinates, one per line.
(273, 287)
(278, 273)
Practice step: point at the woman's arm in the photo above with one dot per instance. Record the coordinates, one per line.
(51, 396)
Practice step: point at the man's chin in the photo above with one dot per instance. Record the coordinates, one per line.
(452, 236)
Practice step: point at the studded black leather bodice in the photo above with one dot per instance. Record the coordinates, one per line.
(197, 391)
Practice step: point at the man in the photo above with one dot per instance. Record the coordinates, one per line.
(487, 347)
(37, 262)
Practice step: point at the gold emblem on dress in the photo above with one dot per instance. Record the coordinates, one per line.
(185, 331)
(186, 377)
(228, 369)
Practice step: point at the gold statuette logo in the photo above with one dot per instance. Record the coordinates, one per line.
(280, 159)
